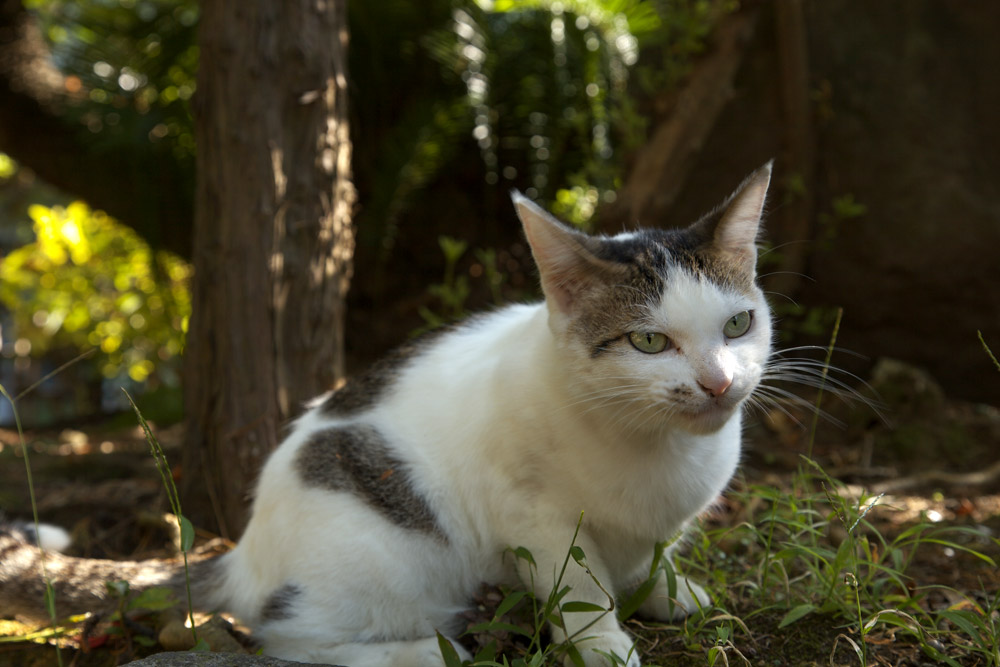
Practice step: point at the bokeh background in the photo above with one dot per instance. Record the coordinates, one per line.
(881, 118)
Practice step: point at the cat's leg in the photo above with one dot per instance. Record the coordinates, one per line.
(666, 605)
(591, 632)
(686, 600)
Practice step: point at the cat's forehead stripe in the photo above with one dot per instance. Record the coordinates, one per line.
(654, 252)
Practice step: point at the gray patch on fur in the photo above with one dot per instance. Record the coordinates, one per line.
(278, 606)
(356, 459)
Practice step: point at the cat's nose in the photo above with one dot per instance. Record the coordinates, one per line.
(717, 385)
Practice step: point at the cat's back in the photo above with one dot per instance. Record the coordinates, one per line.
(418, 415)
(435, 367)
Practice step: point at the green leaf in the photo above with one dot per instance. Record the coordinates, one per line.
(969, 623)
(117, 589)
(201, 647)
(153, 599)
(634, 601)
(577, 554)
(796, 613)
(525, 555)
(187, 533)
(509, 602)
(487, 653)
(574, 655)
(448, 652)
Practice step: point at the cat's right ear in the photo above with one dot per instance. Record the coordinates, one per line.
(566, 265)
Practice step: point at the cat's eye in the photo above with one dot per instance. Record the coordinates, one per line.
(648, 341)
(738, 324)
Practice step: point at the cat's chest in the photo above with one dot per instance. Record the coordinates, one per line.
(654, 489)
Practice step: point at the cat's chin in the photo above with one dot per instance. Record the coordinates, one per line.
(706, 420)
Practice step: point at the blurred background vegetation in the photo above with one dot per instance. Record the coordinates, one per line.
(527, 93)
(453, 103)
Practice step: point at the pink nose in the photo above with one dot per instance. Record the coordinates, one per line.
(715, 386)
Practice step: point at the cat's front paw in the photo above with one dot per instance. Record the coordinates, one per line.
(595, 648)
(689, 598)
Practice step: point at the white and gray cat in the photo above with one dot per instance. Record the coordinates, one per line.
(393, 499)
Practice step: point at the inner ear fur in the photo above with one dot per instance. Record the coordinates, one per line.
(730, 231)
(566, 263)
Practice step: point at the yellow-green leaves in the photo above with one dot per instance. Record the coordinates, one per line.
(89, 282)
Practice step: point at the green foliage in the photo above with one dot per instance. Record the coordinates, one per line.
(684, 29)
(538, 89)
(989, 352)
(454, 289)
(577, 204)
(49, 595)
(542, 613)
(131, 65)
(187, 528)
(88, 281)
(8, 167)
(844, 208)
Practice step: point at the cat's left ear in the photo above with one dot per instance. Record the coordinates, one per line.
(732, 234)
(566, 264)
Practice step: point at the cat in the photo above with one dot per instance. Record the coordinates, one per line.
(620, 396)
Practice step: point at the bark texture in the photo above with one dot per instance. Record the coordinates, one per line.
(273, 239)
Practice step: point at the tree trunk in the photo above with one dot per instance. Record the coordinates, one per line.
(273, 240)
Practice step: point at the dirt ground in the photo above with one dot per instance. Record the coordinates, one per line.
(935, 460)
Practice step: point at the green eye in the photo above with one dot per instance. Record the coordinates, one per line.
(649, 342)
(738, 324)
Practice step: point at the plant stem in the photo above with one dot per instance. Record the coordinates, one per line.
(50, 601)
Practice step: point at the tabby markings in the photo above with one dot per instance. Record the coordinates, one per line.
(356, 459)
(278, 606)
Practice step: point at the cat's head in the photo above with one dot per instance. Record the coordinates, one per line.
(658, 327)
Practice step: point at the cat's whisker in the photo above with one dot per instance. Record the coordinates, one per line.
(611, 404)
(775, 394)
(643, 415)
(815, 348)
(605, 397)
(812, 379)
(832, 386)
(819, 369)
(759, 404)
(783, 296)
(762, 402)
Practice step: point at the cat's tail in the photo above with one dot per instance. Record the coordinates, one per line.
(80, 584)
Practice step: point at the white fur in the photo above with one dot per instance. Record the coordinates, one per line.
(510, 428)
